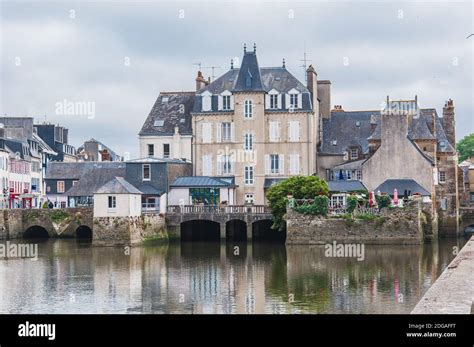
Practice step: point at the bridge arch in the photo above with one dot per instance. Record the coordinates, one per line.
(200, 230)
(36, 232)
(84, 232)
(236, 230)
(262, 231)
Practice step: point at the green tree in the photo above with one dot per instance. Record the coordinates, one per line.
(465, 147)
(300, 187)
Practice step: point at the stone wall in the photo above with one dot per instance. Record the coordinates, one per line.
(393, 226)
(119, 231)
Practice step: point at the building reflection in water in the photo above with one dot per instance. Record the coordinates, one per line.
(208, 278)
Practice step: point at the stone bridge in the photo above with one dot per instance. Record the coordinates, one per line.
(236, 222)
(467, 217)
(36, 223)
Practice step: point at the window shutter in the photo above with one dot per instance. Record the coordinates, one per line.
(231, 102)
(277, 131)
(206, 132)
(219, 102)
(206, 103)
(297, 131)
(287, 101)
(232, 164)
(267, 164)
(281, 162)
(271, 129)
(219, 132)
(207, 165)
(300, 100)
(232, 132)
(219, 164)
(267, 101)
(279, 101)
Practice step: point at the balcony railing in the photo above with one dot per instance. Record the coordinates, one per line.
(217, 209)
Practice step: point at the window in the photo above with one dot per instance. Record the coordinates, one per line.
(206, 132)
(249, 198)
(294, 164)
(248, 175)
(74, 183)
(338, 200)
(248, 142)
(166, 150)
(226, 132)
(354, 153)
(207, 165)
(293, 131)
(273, 101)
(159, 123)
(442, 177)
(248, 109)
(60, 186)
(112, 203)
(293, 100)
(359, 175)
(146, 174)
(226, 102)
(151, 150)
(274, 163)
(274, 131)
(472, 197)
(227, 164)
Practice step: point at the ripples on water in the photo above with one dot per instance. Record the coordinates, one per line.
(74, 277)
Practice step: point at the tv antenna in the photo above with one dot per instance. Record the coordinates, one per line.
(305, 61)
(200, 66)
(212, 71)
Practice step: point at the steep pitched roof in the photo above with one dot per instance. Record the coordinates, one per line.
(75, 170)
(95, 178)
(345, 186)
(117, 185)
(171, 109)
(43, 145)
(249, 74)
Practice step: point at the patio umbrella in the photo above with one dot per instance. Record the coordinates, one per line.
(395, 197)
(371, 199)
(341, 176)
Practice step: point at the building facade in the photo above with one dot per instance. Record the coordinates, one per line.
(57, 137)
(257, 125)
(94, 150)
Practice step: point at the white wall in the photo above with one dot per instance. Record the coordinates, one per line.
(180, 146)
(127, 205)
(176, 195)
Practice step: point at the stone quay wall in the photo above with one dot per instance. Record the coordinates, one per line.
(122, 231)
(393, 226)
(452, 293)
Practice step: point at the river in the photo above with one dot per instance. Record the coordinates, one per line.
(72, 276)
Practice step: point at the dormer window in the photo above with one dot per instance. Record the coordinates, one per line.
(293, 99)
(248, 79)
(273, 100)
(226, 102)
(206, 101)
(354, 153)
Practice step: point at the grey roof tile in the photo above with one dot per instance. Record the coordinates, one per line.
(174, 109)
(346, 186)
(117, 185)
(401, 185)
(249, 74)
(94, 178)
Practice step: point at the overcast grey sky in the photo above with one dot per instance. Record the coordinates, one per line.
(121, 54)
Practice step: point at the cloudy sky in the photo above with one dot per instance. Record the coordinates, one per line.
(118, 55)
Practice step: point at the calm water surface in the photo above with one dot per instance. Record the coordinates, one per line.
(74, 277)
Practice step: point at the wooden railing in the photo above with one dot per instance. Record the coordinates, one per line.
(218, 209)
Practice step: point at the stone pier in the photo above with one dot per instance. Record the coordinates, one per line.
(453, 291)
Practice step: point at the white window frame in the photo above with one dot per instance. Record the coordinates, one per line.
(226, 103)
(111, 202)
(169, 150)
(226, 132)
(248, 141)
(248, 109)
(275, 164)
(152, 147)
(227, 164)
(442, 176)
(143, 172)
(63, 186)
(206, 101)
(249, 198)
(274, 131)
(249, 175)
(293, 131)
(295, 165)
(354, 153)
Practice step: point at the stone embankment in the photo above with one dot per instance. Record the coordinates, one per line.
(453, 291)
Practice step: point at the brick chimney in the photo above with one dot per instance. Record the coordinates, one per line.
(200, 81)
(449, 123)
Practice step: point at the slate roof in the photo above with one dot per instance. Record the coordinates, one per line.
(147, 189)
(346, 186)
(271, 181)
(94, 178)
(75, 170)
(249, 75)
(170, 113)
(16, 147)
(112, 153)
(203, 181)
(401, 185)
(43, 145)
(117, 185)
(342, 127)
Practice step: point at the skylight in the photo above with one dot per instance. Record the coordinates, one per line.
(159, 123)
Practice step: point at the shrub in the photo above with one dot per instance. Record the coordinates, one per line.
(319, 207)
(383, 201)
(351, 203)
(366, 216)
(300, 187)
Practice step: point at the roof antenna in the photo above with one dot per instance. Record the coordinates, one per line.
(305, 61)
(198, 64)
(212, 69)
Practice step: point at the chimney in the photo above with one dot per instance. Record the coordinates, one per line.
(200, 81)
(449, 123)
(324, 95)
(312, 78)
